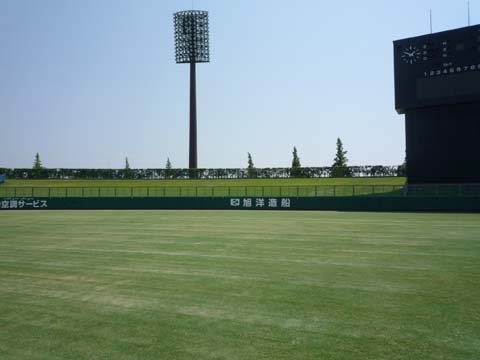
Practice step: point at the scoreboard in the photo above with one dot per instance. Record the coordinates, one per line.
(437, 69)
(437, 87)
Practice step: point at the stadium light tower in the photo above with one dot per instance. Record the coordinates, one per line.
(192, 47)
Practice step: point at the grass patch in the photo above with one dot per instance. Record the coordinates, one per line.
(238, 285)
(203, 188)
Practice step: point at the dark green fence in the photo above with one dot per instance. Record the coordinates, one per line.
(464, 190)
(345, 203)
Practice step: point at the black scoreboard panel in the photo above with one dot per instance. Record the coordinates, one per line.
(437, 69)
(443, 144)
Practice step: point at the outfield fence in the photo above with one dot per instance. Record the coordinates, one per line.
(443, 190)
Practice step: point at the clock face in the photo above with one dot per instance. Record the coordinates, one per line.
(411, 54)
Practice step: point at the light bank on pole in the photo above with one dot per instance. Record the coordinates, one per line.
(192, 47)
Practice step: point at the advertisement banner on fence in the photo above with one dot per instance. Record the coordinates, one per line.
(23, 203)
(250, 203)
(246, 203)
(261, 203)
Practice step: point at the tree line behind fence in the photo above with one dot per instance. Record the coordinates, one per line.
(162, 174)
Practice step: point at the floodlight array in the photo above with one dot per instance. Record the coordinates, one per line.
(191, 37)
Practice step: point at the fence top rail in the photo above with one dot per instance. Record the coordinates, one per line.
(406, 187)
(199, 186)
(413, 186)
(377, 190)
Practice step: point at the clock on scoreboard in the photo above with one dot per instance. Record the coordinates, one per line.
(437, 69)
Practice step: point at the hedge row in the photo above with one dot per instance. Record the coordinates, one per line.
(154, 174)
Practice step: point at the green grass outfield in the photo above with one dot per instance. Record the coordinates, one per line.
(238, 285)
(203, 188)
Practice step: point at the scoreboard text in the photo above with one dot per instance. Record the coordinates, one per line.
(437, 69)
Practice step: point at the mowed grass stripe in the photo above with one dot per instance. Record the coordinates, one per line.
(238, 285)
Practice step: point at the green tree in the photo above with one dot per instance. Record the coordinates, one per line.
(296, 171)
(402, 169)
(127, 169)
(168, 169)
(251, 171)
(37, 169)
(340, 167)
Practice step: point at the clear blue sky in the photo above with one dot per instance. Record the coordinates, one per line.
(87, 83)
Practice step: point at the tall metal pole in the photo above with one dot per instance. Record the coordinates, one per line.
(193, 116)
(431, 22)
(192, 47)
(468, 9)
